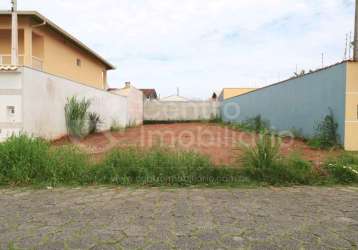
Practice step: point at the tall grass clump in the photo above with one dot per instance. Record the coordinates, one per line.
(76, 112)
(326, 135)
(263, 163)
(31, 161)
(23, 159)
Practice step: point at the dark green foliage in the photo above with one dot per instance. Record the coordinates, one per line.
(94, 122)
(76, 116)
(326, 133)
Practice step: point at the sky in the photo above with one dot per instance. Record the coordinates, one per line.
(202, 46)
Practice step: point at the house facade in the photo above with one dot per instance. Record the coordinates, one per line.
(46, 47)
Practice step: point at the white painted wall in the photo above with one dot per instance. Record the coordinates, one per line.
(180, 111)
(10, 96)
(45, 96)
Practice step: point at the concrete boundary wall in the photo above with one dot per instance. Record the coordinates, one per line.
(40, 106)
(180, 111)
(299, 103)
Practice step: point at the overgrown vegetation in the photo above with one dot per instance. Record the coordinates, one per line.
(343, 169)
(326, 136)
(29, 161)
(76, 114)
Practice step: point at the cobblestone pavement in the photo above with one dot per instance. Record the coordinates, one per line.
(117, 218)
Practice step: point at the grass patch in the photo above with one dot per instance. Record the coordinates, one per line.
(28, 161)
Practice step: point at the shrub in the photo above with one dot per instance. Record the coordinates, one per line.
(94, 122)
(263, 163)
(254, 124)
(76, 116)
(343, 169)
(326, 135)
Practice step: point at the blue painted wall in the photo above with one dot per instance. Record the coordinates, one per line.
(298, 103)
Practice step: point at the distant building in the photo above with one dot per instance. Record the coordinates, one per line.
(149, 94)
(227, 93)
(174, 98)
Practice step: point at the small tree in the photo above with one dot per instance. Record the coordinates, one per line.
(326, 133)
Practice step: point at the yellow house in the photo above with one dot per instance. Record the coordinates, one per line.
(46, 47)
(227, 93)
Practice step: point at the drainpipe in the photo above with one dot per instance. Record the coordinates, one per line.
(14, 34)
(355, 43)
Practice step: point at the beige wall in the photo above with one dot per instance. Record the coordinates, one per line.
(231, 92)
(58, 53)
(351, 125)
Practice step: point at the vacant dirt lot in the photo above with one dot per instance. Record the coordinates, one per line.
(221, 144)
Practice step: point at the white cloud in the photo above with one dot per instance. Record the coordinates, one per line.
(204, 45)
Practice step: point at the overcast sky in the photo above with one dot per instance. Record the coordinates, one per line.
(202, 46)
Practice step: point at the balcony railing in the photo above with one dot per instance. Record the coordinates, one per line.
(6, 59)
(37, 63)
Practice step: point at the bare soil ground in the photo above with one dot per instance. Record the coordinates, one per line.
(221, 144)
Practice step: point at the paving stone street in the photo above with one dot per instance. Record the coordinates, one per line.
(126, 218)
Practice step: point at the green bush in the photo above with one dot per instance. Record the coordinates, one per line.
(256, 124)
(263, 163)
(76, 112)
(343, 169)
(326, 135)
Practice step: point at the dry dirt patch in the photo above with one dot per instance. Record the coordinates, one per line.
(221, 144)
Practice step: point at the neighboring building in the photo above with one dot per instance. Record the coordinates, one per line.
(227, 93)
(135, 103)
(302, 102)
(46, 47)
(174, 98)
(149, 94)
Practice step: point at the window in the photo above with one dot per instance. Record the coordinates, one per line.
(78, 62)
(10, 111)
